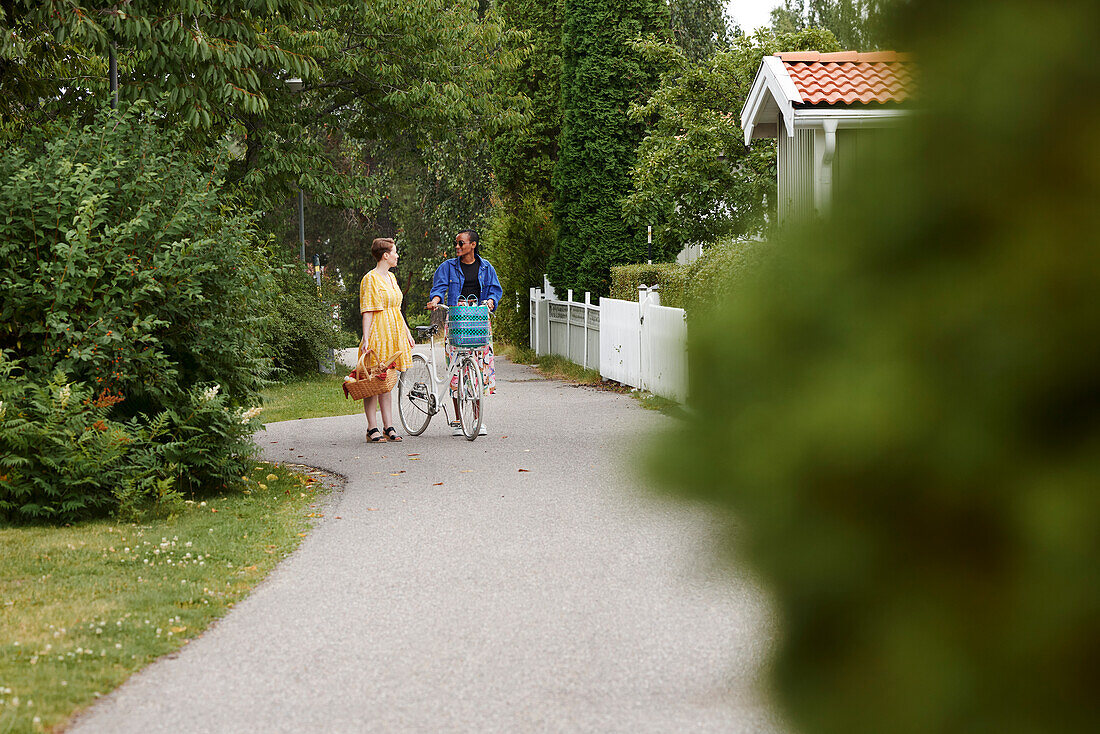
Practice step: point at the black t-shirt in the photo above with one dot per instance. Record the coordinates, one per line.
(471, 286)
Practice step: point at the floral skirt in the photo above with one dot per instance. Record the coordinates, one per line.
(484, 356)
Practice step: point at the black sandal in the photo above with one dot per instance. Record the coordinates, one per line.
(391, 434)
(375, 439)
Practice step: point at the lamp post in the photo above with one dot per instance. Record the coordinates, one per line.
(296, 86)
(112, 66)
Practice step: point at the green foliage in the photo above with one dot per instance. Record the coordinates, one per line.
(701, 287)
(522, 236)
(905, 426)
(699, 27)
(521, 231)
(603, 73)
(695, 180)
(302, 330)
(714, 277)
(859, 25)
(672, 278)
(123, 266)
(62, 458)
(126, 271)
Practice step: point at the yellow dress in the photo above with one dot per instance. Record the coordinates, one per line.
(388, 333)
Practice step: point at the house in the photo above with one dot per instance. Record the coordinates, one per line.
(826, 110)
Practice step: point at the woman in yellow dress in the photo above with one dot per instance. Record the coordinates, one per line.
(384, 331)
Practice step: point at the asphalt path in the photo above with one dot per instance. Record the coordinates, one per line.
(523, 582)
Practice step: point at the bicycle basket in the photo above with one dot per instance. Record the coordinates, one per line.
(468, 325)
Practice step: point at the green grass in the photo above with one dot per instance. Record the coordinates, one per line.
(553, 366)
(649, 401)
(86, 606)
(316, 396)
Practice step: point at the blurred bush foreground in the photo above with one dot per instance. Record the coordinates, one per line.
(900, 406)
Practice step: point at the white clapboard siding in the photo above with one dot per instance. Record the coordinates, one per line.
(663, 351)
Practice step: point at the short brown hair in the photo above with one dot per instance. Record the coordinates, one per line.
(381, 246)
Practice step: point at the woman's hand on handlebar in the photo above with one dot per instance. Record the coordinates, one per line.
(434, 304)
(490, 303)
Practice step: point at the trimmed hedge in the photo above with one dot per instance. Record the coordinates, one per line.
(671, 277)
(697, 287)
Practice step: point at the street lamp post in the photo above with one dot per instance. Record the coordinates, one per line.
(296, 86)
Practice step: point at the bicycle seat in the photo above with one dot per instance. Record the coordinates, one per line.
(428, 330)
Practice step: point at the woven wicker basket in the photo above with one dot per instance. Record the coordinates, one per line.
(366, 381)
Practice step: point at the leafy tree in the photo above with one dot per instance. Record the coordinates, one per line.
(900, 407)
(695, 179)
(521, 232)
(699, 27)
(602, 74)
(859, 25)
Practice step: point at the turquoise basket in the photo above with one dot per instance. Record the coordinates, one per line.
(468, 326)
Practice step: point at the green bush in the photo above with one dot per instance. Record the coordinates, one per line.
(62, 458)
(125, 268)
(303, 329)
(522, 233)
(905, 425)
(671, 277)
(713, 277)
(699, 287)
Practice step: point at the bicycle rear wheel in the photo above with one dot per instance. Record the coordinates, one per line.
(415, 398)
(470, 404)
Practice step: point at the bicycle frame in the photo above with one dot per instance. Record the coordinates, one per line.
(426, 394)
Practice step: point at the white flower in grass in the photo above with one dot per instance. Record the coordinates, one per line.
(3, 410)
(210, 393)
(66, 392)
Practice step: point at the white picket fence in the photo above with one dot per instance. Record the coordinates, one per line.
(638, 343)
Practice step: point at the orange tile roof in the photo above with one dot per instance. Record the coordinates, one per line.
(849, 77)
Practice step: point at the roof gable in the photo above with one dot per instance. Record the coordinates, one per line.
(790, 81)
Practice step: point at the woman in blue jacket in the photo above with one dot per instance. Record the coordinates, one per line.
(467, 274)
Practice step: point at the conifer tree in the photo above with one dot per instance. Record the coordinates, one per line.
(602, 74)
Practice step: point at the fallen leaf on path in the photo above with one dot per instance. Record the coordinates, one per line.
(526, 470)
(394, 474)
(413, 458)
(466, 471)
(414, 454)
(438, 484)
(372, 509)
(339, 518)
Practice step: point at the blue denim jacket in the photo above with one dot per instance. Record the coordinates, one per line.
(448, 280)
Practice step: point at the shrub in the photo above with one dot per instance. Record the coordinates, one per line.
(713, 277)
(303, 329)
(521, 233)
(127, 274)
(906, 424)
(671, 277)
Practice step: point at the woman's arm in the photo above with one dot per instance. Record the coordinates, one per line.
(368, 322)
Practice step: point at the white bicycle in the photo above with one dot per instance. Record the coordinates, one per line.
(421, 392)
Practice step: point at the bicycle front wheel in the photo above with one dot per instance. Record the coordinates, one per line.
(470, 404)
(415, 397)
